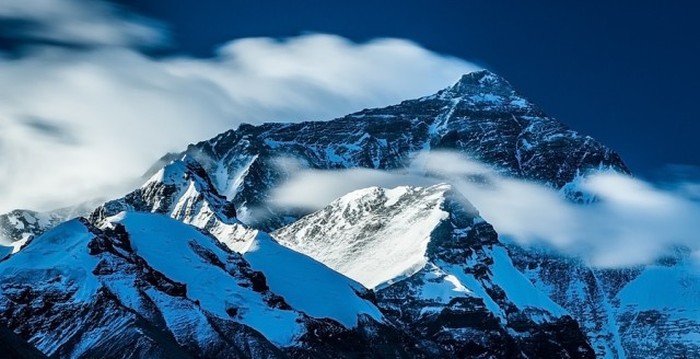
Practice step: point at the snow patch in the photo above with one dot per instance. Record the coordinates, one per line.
(308, 285)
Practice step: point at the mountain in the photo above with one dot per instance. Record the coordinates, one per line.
(458, 279)
(481, 116)
(145, 285)
(21, 225)
(386, 239)
(439, 270)
(181, 190)
(639, 312)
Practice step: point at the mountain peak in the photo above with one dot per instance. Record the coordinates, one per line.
(372, 222)
(481, 81)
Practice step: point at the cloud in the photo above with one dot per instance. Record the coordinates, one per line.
(633, 222)
(314, 189)
(75, 125)
(79, 22)
(320, 76)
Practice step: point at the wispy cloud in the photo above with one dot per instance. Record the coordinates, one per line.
(79, 22)
(78, 124)
(633, 222)
(83, 121)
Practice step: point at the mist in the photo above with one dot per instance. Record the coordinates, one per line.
(630, 222)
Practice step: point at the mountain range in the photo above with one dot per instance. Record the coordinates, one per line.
(201, 261)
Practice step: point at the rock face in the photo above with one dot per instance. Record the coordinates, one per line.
(641, 312)
(440, 272)
(182, 190)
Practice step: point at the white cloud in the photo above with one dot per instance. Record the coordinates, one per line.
(633, 222)
(80, 22)
(313, 189)
(320, 76)
(79, 124)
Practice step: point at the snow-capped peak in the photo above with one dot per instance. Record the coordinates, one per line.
(431, 260)
(381, 236)
(364, 233)
(478, 83)
(140, 272)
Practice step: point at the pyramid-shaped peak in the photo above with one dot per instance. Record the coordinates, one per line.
(479, 82)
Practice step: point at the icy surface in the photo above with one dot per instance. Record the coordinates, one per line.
(308, 285)
(166, 245)
(371, 247)
(672, 289)
(518, 288)
(62, 250)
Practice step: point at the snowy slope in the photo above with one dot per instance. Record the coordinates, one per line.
(182, 191)
(185, 255)
(577, 287)
(426, 249)
(641, 312)
(659, 311)
(308, 285)
(309, 294)
(371, 247)
(98, 289)
(165, 289)
(379, 236)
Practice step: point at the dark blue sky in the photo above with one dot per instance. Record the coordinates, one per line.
(625, 72)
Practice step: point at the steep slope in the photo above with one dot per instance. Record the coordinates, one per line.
(581, 290)
(659, 311)
(78, 291)
(148, 286)
(183, 191)
(440, 271)
(641, 312)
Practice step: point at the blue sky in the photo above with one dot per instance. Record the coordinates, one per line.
(625, 72)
